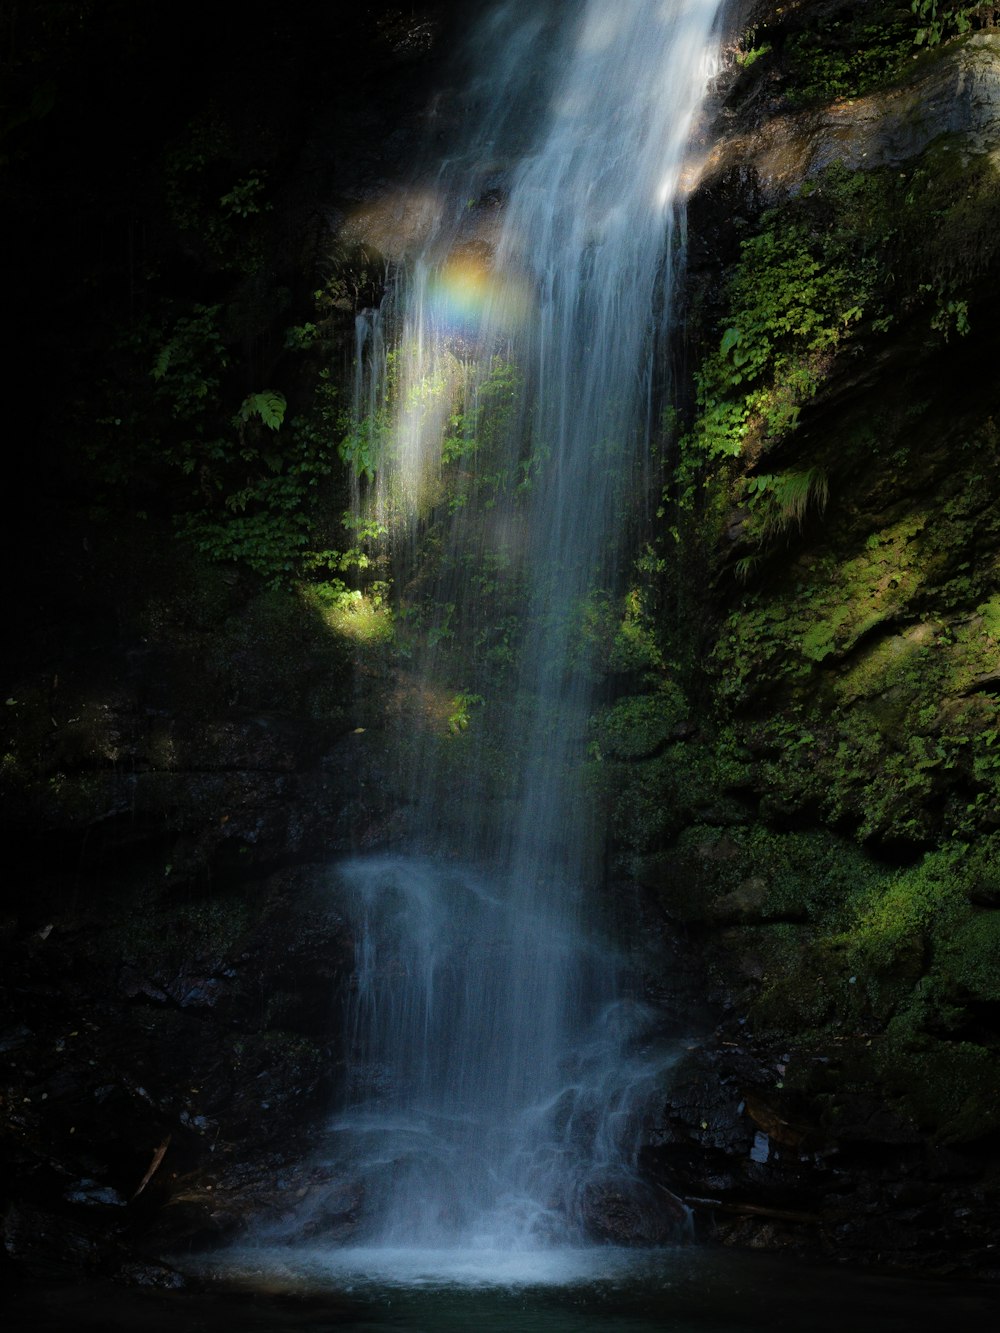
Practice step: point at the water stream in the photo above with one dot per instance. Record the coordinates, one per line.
(498, 1062)
(504, 402)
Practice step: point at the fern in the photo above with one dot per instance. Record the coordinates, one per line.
(745, 567)
(162, 363)
(787, 497)
(795, 492)
(269, 405)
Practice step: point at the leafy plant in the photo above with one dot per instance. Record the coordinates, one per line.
(794, 297)
(846, 54)
(941, 18)
(189, 364)
(268, 405)
(752, 54)
(783, 499)
(461, 715)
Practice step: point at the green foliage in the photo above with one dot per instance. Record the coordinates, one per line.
(245, 484)
(189, 364)
(637, 726)
(268, 405)
(484, 413)
(750, 55)
(846, 54)
(940, 19)
(782, 500)
(301, 337)
(461, 711)
(850, 51)
(801, 286)
(949, 316)
(244, 198)
(364, 444)
(224, 225)
(480, 409)
(266, 522)
(853, 684)
(634, 646)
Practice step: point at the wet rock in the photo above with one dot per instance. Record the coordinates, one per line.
(623, 1211)
(91, 1192)
(192, 1221)
(278, 1190)
(13, 1038)
(160, 1276)
(49, 1245)
(958, 94)
(764, 1172)
(321, 1208)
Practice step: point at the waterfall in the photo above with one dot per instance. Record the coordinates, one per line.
(504, 401)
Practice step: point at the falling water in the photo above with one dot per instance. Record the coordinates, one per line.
(503, 408)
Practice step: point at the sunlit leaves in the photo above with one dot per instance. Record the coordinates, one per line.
(268, 405)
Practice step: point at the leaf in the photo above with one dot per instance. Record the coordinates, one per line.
(729, 340)
(269, 405)
(163, 361)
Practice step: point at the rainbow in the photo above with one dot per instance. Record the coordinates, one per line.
(468, 297)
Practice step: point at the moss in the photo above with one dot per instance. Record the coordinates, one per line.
(274, 652)
(924, 899)
(751, 873)
(969, 957)
(651, 800)
(363, 621)
(637, 726)
(795, 997)
(950, 1088)
(904, 955)
(867, 663)
(164, 930)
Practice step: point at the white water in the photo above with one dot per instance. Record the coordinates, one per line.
(506, 389)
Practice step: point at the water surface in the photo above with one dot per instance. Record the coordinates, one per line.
(682, 1290)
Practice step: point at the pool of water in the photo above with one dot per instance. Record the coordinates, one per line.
(681, 1290)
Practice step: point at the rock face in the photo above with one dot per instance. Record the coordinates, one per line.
(151, 1061)
(957, 93)
(816, 814)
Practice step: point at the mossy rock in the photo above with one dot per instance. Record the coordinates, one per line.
(950, 1088)
(970, 957)
(637, 726)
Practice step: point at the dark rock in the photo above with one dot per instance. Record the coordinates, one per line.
(161, 1276)
(90, 1193)
(985, 895)
(623, 1211)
